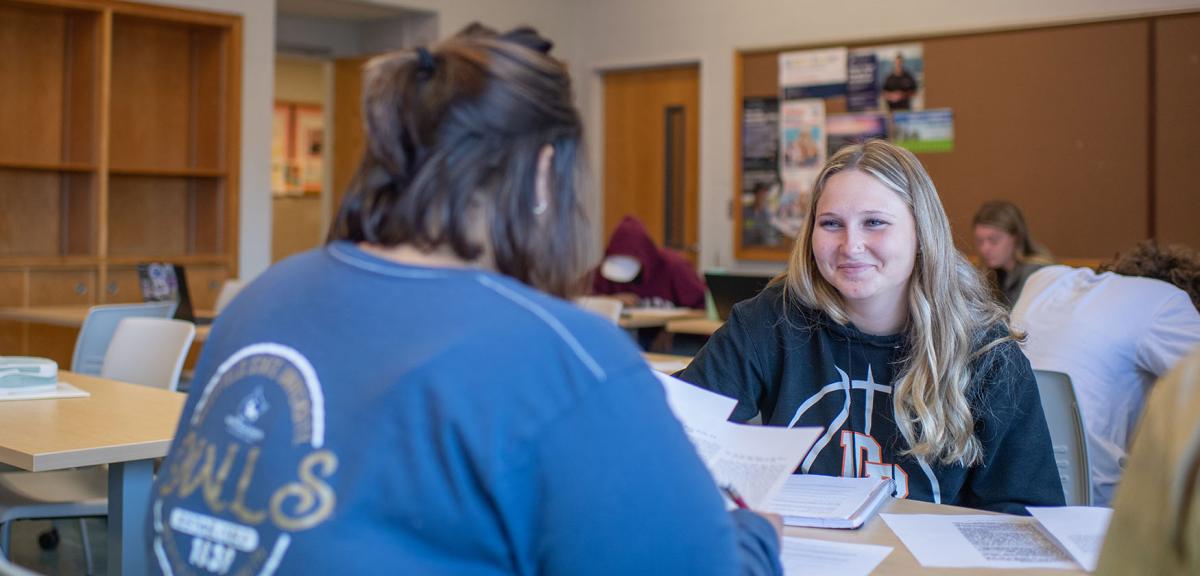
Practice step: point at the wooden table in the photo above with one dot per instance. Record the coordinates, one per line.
(123, 425)
(695, 326)
(632, 318)
(901, 561)
(667, 363)
(73, 316)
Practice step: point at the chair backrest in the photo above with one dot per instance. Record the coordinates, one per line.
(7, 568)
(1067, 435)
(149, 351)
(228, 290)
(607, 307)
(98, 328)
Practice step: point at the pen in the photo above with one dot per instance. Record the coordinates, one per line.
(733, 495)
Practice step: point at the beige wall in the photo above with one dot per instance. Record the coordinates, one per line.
(299, 80)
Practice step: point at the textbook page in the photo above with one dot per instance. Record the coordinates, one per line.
(829, 501)
(1078, 529)
(977, 541)
(754, 460)
(702, 413)
(808, 557)
(757, 460)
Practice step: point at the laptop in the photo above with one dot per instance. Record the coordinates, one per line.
(165, 282)
(728, 289)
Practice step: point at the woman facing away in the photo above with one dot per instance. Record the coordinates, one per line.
(409, 399)
(883, 334)
(1006, 249)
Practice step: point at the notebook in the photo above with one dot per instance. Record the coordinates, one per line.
(165, 282)
(729, 289)
(829, 501)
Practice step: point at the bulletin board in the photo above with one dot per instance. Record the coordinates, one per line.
(1089, 127)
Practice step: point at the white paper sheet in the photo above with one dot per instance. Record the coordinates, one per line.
(60, 390)
(977, 541)
(829, 501)
(693, 404)
(808, 557)
(1078, 529)
(754, 460)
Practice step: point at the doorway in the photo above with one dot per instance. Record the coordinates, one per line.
(652, 153)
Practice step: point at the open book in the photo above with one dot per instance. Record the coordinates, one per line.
(755, 460)
(829, 501)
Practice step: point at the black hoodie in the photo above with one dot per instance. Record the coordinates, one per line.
(807, 370)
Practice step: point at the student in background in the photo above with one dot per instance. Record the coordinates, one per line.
(1113, 333)
(883, 334)
(410, 399)
(1155, 527)
(640, 273)
(1006, 250)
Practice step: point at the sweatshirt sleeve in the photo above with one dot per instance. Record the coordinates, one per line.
(622, 491)
(729, 364)
(1018, 467)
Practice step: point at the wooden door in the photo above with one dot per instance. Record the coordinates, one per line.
(651, 154)
(349, 141)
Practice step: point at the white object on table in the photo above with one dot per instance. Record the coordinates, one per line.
(808, 557)
(1079, 530)
(977, 541)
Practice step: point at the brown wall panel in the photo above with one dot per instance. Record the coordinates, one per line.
(1177, 129)
(1053, 120)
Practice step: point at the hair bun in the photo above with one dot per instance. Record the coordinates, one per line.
(529, 38)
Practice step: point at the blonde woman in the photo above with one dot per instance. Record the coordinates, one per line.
(1007, 251)
(883, 334)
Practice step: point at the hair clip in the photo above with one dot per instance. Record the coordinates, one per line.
(425, 60)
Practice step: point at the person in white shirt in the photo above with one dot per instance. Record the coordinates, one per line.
(1114, 333)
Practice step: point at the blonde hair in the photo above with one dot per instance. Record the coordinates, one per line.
(950, 309)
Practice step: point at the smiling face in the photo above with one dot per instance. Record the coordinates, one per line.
(997, 248)
(864, 242)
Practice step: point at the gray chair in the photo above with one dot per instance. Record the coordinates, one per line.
(98, 329)
(9, 569)
(1067, 435)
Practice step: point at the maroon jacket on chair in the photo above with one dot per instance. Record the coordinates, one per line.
(664, 273)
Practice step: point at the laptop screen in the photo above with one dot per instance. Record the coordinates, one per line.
(165, 282)
(729, 289)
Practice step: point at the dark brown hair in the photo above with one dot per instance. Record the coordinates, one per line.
(456, 129)
(1177, 265)
(1007, 217)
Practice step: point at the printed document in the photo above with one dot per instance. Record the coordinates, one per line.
(808, 557)
(977, 541)
(1078, 529)
(754, 460)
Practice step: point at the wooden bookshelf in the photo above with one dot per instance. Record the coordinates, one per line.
(120, 146)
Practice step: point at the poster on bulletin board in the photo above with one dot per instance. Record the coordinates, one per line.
(887, 78)
(925, 131)
(812, 73)
(760, 173)
(846, 129)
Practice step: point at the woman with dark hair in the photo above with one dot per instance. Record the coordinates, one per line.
(409, 398)
(1006, 249)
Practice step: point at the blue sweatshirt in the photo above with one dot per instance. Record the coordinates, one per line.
(803, 369)
(352, 415)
